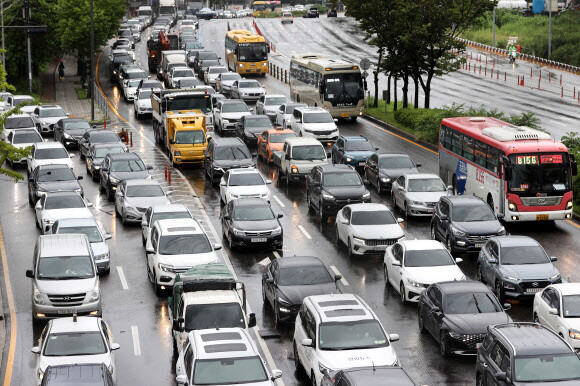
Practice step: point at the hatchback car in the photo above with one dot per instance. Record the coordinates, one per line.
(417, 194)
(134, 197)
(382, 169)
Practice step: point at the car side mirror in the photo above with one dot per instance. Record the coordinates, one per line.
(268, 181)
(149, 167)
(366, 182)
(344, 221)
(501, 376)
(181, 380)
(459, 260)
(79, 178)
(172, 141)
(35, 350)
(108, 237)
(553, 258)
(307, 343)
(270, 280)
(149, 249)
(337, 277)
(143, 223)
(393, 337)
(222, 182)
(38, 206)
(90, 204)
(397, 263)
(72, 155)
(276, 374)
(444, 217)
(553, 311)
(104, 169)
(492, 260)
(227, 218)
(435, 309)
(400, 220)
(115, 346)
(450, 188)
(418, 165)
(252, 320)
(29, 273)
(31, 180)
(217, 247)
(280, 215)
(507, 306)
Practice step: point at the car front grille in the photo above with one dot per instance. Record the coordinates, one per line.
(67, 300)
(323, 132)
(533, 286)
(349, 201)
(478, 239)
(180, 269)
(254, 234)
(380, 242)
(471, 340)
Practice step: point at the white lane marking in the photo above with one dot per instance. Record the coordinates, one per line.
(265, 262)
(122, 277)
(305, 233)
(136, 344)
(336, 272)
(278, 201)
(276, 254)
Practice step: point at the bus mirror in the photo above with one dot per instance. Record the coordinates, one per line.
(573, 165)
(268, 48)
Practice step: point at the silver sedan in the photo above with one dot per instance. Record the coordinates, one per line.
(417, 194)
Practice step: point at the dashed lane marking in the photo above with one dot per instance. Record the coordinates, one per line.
(123, 279)
(136, 344)
(278, 201)
(337, 272)
(305, 232)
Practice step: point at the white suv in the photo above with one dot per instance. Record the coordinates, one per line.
(339, 331)
(243, 183)
(48, 116)
(314, 122)
(48, 153)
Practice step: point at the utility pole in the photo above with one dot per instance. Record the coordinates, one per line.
(92, 81)
(27, 17)
(2, 16)
(493, 26)
(550, 29)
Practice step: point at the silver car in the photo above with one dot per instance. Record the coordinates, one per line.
(270, 104)
(161, 212)
(225, 81)
(134, 197)
(417, 194)
(247, 90)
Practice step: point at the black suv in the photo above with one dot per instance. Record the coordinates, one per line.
(120, 167)
(525, 353)
(69, 131)
(332, 13)
(223, 154)
(312, 12)
(249, 128)
(117, 62)
(77, 374)
(330, 187)
(464, 223)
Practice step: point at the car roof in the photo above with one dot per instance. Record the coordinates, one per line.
(83, 323)
(354, 138)
(311, 109)
(62, 194)
(107, 144)
(169, 208)
(52, 166)
(49, 145)
(368, 207)
(123, 156)
(244, 171)
(139, 182)
(421, 245)
(274, 131)
(335, 168)
(531, 339)
(223, 343)
(567, 288)
(275, 96)
(255, 116)
(233, 102)
(462, 286)
(420, 176)
(235, 141)
(64, 245)
(464, 199)
(26, 131)
(297, 141)
(388, 155)
(46, 107)
(66, 120)
(73, 374)
(379, 375)
(77, 222)
(299, 261)
(515, 241)
(254, 201)
(179, 226)
(22, 115)
(340, 307)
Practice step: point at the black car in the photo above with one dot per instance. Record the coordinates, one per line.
(382, 169)
(332, 13)
(249, 128)
(120, 167)
(205, 64)
(251, 223)
(77, 374)
(97, 154)
(526, 354)
(288, 280)
(125, 70)
(117, 62)
(368, 376)
(150, 84)
(200, 56)
(69, 131)
(312, 13)
(330, 187)
(121, 42)
(464, 223)
(52, 178)
(223, 154)
(92, 137)
(457, 314)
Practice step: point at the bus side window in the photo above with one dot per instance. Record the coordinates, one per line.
(457, 143)
(493, 156)
(468, 148)
(480, 153)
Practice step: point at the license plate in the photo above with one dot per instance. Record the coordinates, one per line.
(479, 245)
(533, 290)
(361, 163)
(542, 217)
(67, 311)
(259, 240)
(345, 115)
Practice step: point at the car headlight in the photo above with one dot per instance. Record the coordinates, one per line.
(457, 232)
(102, 256)
(556, 276)
(277, 231)
(264, 64)
(501, 232)
(264, 195)
(574, 334)
(455, 335)
(283, 302)
(323, 369)
(95, 295)
(366, 196)
(348, 159)
(238, 232)
(177, 153)
(307, 131)
(165, 267)
(569, 205)
(67, 135)
(141, 104)
(130, 208)
(414, 283)
(113, 180)
(326, 196)
(225, 121)
(417, 203)
(358, 239)
(385, 179)
(40, 193)
(240, 65)
(510, 278)
(38, 296)
(40, 374)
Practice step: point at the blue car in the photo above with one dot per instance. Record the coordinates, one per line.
(352, 150)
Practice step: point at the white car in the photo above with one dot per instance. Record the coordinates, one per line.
(134, 197)
(48, 116)
(314, 122)
(227, 114)
(161, 212)
(339, 332)
(210, 75)
(225, 81)
(176, 245)
(247, 90)
(121, 50)
(17, 122)
(22, 139)
(3, 99)
(55, 206)
(142, 102)
(178, 73)
(284, 113)
(48, 153)
(243, 183)
(75, 340)
(270, 104)
(410, 266)
(26, 103)
(130, 89)
(367, 228)
(558, 307)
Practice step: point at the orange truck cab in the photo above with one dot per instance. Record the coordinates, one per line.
(186, 136)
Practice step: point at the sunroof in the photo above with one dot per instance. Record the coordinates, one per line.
(181, 229)
(347, 312)
(212, 337)
(225, 347)
(334, 303)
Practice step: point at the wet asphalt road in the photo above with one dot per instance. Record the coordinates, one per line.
(129, 299)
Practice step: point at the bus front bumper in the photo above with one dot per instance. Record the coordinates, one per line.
(537, 216)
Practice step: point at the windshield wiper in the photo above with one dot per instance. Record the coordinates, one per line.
(476, 304)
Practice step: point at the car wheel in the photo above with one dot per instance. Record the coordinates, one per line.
(349, 246)
(158, 290)
(110, 194)
(393, 201)
(407, 213)
(30, 201)
(499, 291)
(479, 274)
(124, 219)
(421, 321)
(287, 179)
(337, 237)
(309, 202)
(264, 292)
(276, 315)
(37, 224)
(321, 213)
(479, 380)
(536, 319)
(402, 293)
(448, 245)
(443, 344)
(379, 189)
(143, 239)
(386, 274)
(433, 233)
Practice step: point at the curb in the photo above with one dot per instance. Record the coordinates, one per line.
(402, 133)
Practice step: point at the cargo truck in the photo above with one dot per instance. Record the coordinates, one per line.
(185, 139)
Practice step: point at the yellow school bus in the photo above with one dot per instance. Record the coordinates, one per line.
(246, 52)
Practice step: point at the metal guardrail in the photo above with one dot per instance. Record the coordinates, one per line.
(101, 101)
(278, 73)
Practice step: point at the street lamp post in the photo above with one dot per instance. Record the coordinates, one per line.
(494, 26)
(92, 85)
(550, 29)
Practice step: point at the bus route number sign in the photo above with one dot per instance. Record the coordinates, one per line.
(527, 160)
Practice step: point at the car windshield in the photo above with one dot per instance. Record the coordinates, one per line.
(51, 153)
(144, 95)
(208, 63)
(547, 368)
(280, 137)
(245, 179)
(74, 344)
(253, 213)
(342, 179)
(92, 232)
(571, 306)
(234, 108)
(138, 75)
(318, 118)
(207, 55)
(26, 138)
(222, 315)
(231, 153)
(275, 101)
(470, 213)
(290, 108)
(127, 166)
(52, 175)
(134, 83)
(379, 217)
(145, 191)
(200, 102)
(428, 258)
(189, 137)
(65, 268)
(471, 303)
(309, 275)
(252, 52)
(249, 84)
(76, 125)
(102, 152)
(396, 163)
(168, 215)
(184, 244)
(25, 101)
(69, 201)
(358, 146)
(539, 173)
(217, 70)
(229, 371)
(104, 136)
(308, 152)
(182, 73)
(231, 77)
(18, 122)
(523, 254)
(189, 82)
(263, 122)
(51, 113)
(426, 185)
(355, 335)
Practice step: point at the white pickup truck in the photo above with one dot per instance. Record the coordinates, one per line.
(297, 158)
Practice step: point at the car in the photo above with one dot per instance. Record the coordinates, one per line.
(25, 103)
(410, 266)
(96, 156)
(120, 167)
(121, 50)
(216, 98)
(48, 153)
(516, 267)
(69, 131)
(330, 187)
(205, 64)
(464, 223)
(525, 353)
(4, 95)
(117, 61)
(188, 83)
(314, 122)
(249, 128)
(247, 90)
(210, 75)
(225, 80)
(142, 102)
(332, 13)
(417, 194)
(271, 141)
(150, 84)
(73, 374)
(47, 116)
(287, 17)
(222, 356)
(270, 104)
(369, 376)
(352, 150)
(288, 280)
(17, 122)
(76, 341)
(243, 183)
(367, 228)
(381, 169)
(201, 56)
(22, 139)
(129, 73)
(130, 89)
(284, 113)
(312, 13)
(134, 197)
(176, 245)
(223, 154)
(178, 73)
(227, 114)
(458, 313)
(339, 331)
(52, 178)
(161, 212)
(54, 206)
(92, 137)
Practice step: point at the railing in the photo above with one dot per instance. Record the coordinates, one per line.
(101, 101)
(278, 73)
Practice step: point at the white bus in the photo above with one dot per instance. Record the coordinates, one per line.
(333, 84)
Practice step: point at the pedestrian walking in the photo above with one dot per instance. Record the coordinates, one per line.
(61, 72)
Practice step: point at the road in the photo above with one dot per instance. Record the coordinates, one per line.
(129, 301)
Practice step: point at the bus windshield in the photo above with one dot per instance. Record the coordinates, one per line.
(535, 172)
(343, 89)
(252, 52)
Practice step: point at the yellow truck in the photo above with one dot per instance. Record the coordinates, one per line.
(186, 137)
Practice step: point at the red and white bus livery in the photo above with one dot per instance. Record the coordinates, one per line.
(522, 173)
